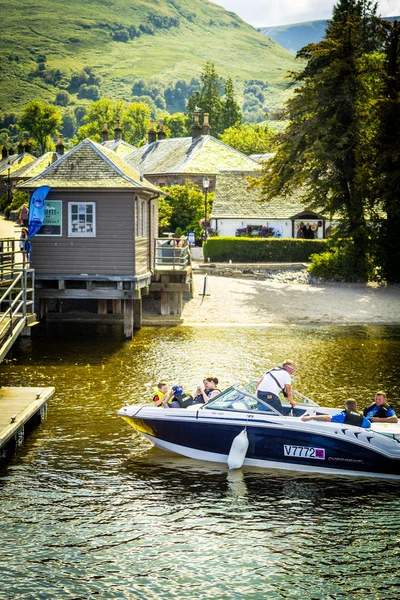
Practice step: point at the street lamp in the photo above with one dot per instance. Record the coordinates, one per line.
(206, 185)
(9, 182)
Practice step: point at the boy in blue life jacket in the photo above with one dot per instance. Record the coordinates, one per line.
(349, 416)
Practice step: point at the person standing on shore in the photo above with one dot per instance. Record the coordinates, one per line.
(274, 382)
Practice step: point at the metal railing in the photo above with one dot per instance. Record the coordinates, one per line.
(17, 280)
(170, 253)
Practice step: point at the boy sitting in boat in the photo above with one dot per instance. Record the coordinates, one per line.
(349, 416)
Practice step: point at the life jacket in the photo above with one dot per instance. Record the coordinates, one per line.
(184, 400)
(209, 392)
(157, 395)
(353, 418)
(381, 412)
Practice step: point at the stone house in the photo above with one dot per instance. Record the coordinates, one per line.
(237, 209)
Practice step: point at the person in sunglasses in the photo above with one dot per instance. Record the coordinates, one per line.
(274, 382)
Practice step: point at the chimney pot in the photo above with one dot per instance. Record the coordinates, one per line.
(60, 146)
(161, 133)
(20, 147)
(206, 129)
(4, 153)
(104, 133)
(151, 134)
(117, 131)
(27, 145)
(196, 129)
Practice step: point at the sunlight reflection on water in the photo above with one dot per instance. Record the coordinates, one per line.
(87, 509)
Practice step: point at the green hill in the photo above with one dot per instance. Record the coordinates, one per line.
(44, 46)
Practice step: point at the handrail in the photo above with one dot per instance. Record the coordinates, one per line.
(167, 253)
(18, 294)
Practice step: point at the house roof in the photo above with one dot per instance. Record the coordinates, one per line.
(15, 161)
(262, 157)
(36, 167)
(90, 165)
(233, 200)
(204, 154)
(119, 146)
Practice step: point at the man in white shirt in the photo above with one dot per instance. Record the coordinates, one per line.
(274, 382)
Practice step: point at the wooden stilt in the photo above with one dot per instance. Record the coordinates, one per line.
(137, 314)
(116, 307)
(102, 307)
(128, 318)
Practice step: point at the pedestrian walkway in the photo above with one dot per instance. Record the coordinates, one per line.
(9, 229)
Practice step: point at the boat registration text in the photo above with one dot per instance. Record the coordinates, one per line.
(304, 452)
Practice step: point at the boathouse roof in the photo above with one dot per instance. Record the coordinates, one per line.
(204, 154)
(234, 200)
(90, 165)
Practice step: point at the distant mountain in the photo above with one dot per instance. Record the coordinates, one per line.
(44, 45)
(296, 36)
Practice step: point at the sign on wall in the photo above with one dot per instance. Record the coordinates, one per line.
(52, 224)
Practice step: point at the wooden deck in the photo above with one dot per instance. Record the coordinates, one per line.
(20, 409)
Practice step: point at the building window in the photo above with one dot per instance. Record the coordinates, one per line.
(82, 219)
(137, 229)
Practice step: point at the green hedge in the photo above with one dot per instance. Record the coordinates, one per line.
(240, 249)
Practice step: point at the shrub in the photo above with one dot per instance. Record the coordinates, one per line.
(340, 263)
(262, 249)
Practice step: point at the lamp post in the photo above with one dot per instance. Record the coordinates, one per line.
(9, 182)
(206, 185)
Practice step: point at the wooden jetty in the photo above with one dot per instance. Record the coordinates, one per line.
(21, 409)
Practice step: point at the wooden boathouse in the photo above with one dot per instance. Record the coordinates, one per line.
(97, 247)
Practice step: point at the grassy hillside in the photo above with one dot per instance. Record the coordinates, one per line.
(296, 36)
(44, 43)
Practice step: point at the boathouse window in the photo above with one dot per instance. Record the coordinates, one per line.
(82, 219)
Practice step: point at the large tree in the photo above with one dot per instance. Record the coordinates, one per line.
(231, 114)
(41, 121)
(208, 99)
(325, 147)
(388, 154)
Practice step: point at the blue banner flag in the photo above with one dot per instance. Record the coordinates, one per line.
(36, 210)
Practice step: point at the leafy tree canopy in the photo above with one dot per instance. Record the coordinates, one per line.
(134, 120)
(250, 138)
(187, 207)
(41, 121)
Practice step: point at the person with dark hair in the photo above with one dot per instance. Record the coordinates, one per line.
(349, 416)
(380, 410)
(207, 391)
(274, 382)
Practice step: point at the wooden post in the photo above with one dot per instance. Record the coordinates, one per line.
(165, 303)
(102, 307)
(178, 303)
(116, 307)
(137, 314)
(128, 318)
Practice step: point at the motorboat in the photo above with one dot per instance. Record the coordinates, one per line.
(210, 431)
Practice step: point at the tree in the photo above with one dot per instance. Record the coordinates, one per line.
(41, 121)
(134, 120)
(208, 99)
(324, 149)
(187, 206)
(250, 138)
(176, 125)
(231, 113)
(388, 153)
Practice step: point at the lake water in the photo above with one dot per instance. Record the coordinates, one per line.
(88, 510)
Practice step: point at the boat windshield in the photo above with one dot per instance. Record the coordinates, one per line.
(237, 398)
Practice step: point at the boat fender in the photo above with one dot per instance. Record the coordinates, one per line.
(238, 450)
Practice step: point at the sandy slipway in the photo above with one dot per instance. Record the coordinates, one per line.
(280, 299)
